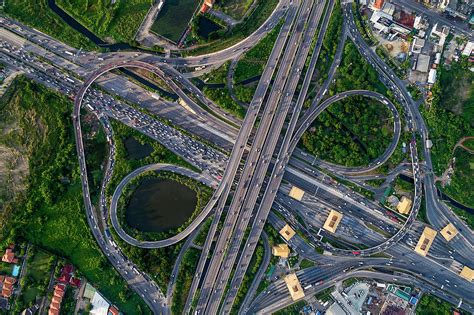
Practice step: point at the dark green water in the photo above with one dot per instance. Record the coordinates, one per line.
(136, 150)
(158, 205)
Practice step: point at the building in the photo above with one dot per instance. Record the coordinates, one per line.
(6, 284)
(432, 76)
(9, 256)
(296, 193)
(113, 311)
(449, 232)
(281, 250)
(423, 63)
(404, 205)
(418, 44)
(468, 49)
(294, 286)
(287, 232)
(58, 294)
(207, 5)
(425, 241)
(467, 273)
(440, 31)
(333, 220)
(377, 4)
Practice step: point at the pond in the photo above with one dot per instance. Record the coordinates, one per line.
(159, 205)
(206, 27)
(136, 150)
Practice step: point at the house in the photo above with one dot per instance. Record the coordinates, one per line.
(113, 311)
(30, 311)
(432, 76)
(9, 256)
(418, 44)
(75, 282)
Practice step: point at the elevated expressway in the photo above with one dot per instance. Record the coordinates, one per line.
(255, 169)
(438, 214)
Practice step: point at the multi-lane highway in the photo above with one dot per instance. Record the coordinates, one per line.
(249, 190)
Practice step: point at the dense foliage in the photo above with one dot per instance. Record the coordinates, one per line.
(51, 213)
(117, 19)
(451, 113)
(431, 305)
(350, 132)
(38, 15)
(330, 41)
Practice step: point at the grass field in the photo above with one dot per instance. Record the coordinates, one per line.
(38, 15)
(118, 21)
(235, 8)
(174, 18)
(51, 213)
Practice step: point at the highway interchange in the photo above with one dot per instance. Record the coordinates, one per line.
(260, 158)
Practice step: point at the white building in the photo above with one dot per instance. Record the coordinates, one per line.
(432, 76)
(468, 49)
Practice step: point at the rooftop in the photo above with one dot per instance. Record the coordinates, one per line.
(287, 232)
(333, 220)
(281, 250)
(294, 286)
(467, 273)
(449, 231)
(296, 193)
(425, 241)
(404, 205)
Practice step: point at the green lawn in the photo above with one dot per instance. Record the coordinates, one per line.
(254, 61)
(174, 18)
(185, 279)
(306, 263)
(223, 99)
(51, 213)
(431, 305)
(118, 21)
(38, 15)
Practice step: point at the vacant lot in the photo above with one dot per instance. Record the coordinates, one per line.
(117, 22)
(174, 18)
(235, 8)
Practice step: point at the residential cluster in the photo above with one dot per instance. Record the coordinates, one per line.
(22, 271)
(422, 42)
